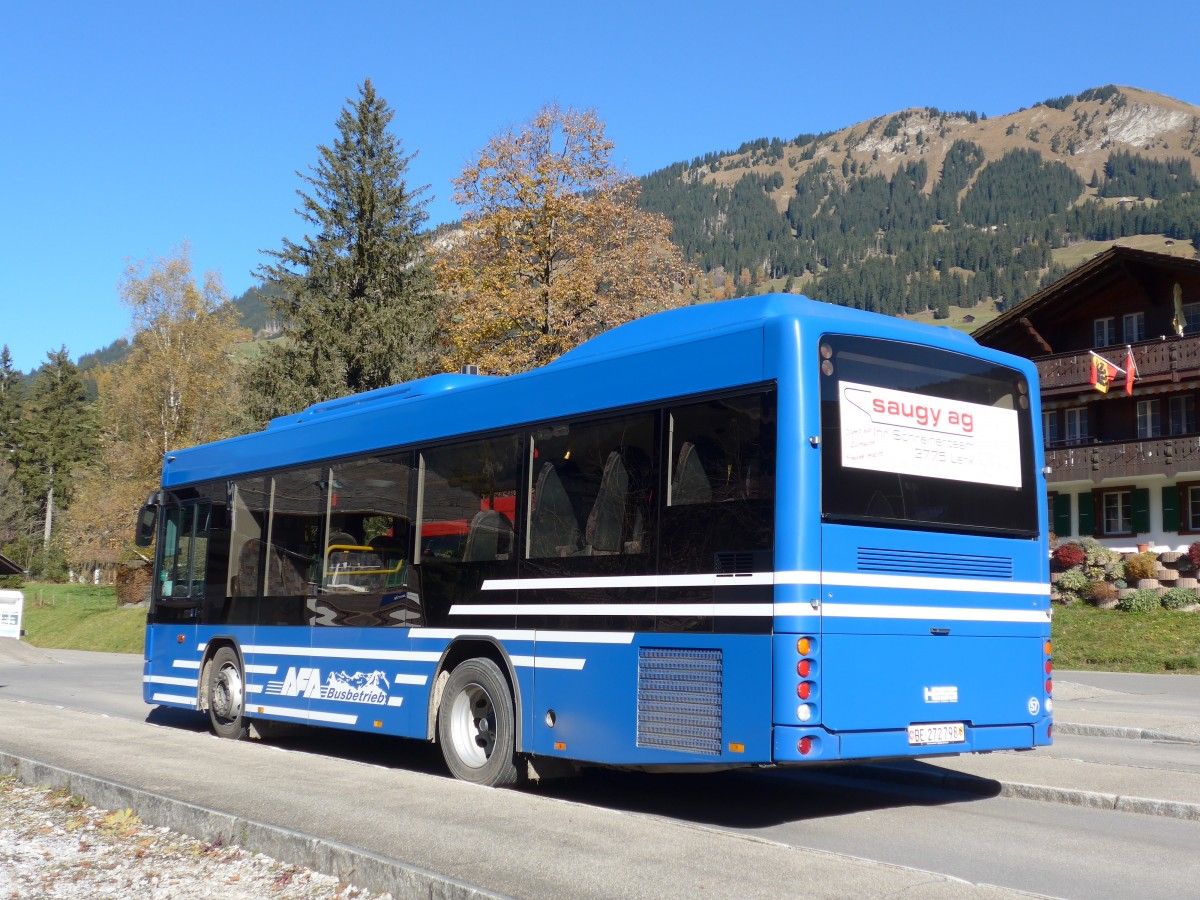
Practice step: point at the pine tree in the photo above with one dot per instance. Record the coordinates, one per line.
(11, 391)
(354, 298)
(57, 435)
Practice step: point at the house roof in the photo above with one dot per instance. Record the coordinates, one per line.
(8, 567)
(1114, 262)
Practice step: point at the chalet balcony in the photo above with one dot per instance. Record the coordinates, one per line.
(1162, 361)
(1169, 457)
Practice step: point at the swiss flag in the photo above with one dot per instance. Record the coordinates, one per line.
(1130, 371)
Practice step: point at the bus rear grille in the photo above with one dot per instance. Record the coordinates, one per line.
(918, 562)
(679, 699)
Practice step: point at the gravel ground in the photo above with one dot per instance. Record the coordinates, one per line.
(54, 845)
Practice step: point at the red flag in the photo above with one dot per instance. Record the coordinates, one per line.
(1092, 377)
(1130, 369)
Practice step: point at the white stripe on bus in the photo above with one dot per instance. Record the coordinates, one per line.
(802, 578)
(342, 653)
(176, 682)
(548, 662)
(403, 678)
(172, 698)
(613, 609)
(952, 613)
(929, 583)
(629, 581)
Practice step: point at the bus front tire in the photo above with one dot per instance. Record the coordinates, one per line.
(476, 725)
(227, 696)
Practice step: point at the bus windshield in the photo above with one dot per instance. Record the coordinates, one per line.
(917, 437)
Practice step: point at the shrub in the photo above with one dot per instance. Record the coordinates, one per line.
(1141, 565)
(1101, 563)
(1193, 552)
(1069, 554)
(1072, 585)
(1102, 592)
(1178, 598)
(1142, 600)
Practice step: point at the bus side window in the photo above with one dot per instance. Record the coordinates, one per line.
(363, 576)
(720, 493)
(468, 516)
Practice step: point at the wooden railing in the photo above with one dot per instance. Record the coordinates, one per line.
(1174, 356)
(1124, 459)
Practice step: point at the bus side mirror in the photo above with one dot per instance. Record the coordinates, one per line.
(147, 520)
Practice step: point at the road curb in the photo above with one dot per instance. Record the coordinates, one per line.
(973, 784)
(1119, 731)
(365, 870)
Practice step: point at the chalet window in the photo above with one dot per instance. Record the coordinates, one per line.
(1104, 332)
(1191, 314)
(1182, 413)
(1133, 327)
(1189, 495)
(1114, 512)
(1077, 425)
(1117, 512)
(1050, 428)
(1149, 423)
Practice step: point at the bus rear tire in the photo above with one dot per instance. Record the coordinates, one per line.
(226, 695)
(476, 725)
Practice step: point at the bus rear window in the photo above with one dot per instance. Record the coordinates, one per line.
(914, 436)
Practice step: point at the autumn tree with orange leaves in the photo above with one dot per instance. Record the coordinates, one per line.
(554, 247)
(177, 387)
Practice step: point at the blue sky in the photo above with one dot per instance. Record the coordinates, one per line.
(129, 128)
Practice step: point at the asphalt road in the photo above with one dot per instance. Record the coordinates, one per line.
(758, 833)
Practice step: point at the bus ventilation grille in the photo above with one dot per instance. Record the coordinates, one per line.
(917, 562)
(679, 699)
(731, 562)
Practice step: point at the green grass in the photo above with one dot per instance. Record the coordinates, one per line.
(1115, 641)
(81, 617)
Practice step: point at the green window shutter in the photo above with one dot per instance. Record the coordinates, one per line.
(1170, 501)
(1087, 523)
(1141, 510)
(1062, 515)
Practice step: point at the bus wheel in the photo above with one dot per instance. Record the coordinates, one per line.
(476, 726)
(227, 696)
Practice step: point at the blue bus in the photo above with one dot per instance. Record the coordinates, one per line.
(760, 532)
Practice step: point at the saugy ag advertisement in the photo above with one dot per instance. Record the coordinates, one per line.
(911, 434)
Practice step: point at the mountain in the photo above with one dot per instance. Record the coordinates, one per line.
(923, 209)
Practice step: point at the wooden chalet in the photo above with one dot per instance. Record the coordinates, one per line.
(1123, 452)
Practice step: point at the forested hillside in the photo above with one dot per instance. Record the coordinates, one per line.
(926, 209)
(919, 210)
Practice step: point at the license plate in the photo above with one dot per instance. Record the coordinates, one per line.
(936, 733)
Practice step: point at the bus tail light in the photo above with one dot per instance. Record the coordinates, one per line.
(808, 684)
(1048, 649)
(804, 745)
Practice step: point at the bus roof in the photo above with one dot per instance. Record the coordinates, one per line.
(610, 370)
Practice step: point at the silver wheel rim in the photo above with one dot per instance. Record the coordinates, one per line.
(473, 726)
(227, 693)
